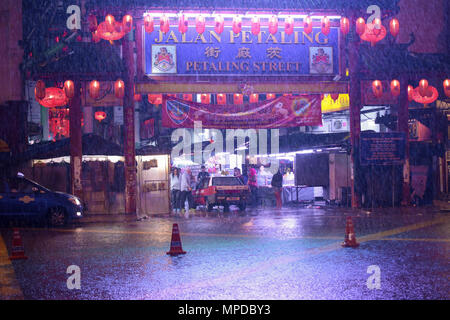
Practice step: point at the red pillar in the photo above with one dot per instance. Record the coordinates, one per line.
(76, 152)
(355, 108)
(128, 110)
(402, 124)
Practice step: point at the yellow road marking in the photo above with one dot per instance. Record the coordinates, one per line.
(9, 287)
(285, 259)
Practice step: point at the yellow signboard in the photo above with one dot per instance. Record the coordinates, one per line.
(330, 105)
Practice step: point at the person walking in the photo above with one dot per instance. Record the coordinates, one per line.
(253, 184)
(202, 175)
(175, 190)
(277, 184)
(186, 190)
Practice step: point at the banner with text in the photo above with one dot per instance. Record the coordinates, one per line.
(285, 111)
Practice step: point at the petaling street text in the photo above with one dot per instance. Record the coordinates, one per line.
(230, 66)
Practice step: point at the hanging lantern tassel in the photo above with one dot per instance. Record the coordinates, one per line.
(119, 89)
(69, 89)
(182, 24)
(273, 24)
(325, 25)
(345, 26)
(394, 27)
(360, 26)
(39, 90)
(377, 88)
(395, 88)
(307, 25)
(149, 24)
(237, 24)
(200, 24)
(423, 86)
(127, 23)
(164, 24)
(219, 24)
(447, 87)
(289, 25)
(256, 26)
(410, 93)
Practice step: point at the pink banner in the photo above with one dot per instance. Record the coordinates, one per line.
(285, 111)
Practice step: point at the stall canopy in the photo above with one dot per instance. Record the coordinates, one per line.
(92, 145)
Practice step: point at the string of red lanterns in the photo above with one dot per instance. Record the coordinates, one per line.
(110, 29)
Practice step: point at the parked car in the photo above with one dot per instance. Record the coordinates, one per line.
(221, 191)
(23, 198)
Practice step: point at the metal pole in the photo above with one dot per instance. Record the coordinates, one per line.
(76, 152)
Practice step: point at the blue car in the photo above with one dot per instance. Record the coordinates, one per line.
(20, 197)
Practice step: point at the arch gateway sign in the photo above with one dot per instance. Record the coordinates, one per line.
(228, 53)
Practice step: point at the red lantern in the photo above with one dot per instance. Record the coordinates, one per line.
(360, 26)
(431, 94)
(374, 32)
(183, 24)
(395, 88)
(256, 25)
(447, 87)
(219, 24)
(334, 96)
(137, 97)
(307, 25)
(119, 89)
(92, 22)
(54, 97)
(237, 24)
(376, 26)
(289, 25)
(127, 23)
(345, 26)
(110, 23)
(325, 23)
(254, 97)
(238, 98)
(69, 89)
(149, 24)
(155, 98)
(377, 88)
(200, 24)
(394, 27)
(39, 90)
(100, 115)
(423, 86)
(273, 24)
(187, 97)
(270, 96)
(164, 24)
(205, 98)
(410, 93)
(221, 98)
(94, 89)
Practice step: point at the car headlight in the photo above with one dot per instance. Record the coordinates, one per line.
(75, 201)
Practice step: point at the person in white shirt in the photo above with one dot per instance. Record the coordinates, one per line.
(186, 190)
(175, 188)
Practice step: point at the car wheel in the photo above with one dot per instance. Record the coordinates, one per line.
(56, 217)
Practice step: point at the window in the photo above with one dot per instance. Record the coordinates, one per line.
(22, 186)
(226, 181)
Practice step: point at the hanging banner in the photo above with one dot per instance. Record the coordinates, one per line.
(285, 111)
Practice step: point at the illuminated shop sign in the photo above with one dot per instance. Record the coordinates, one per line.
(227, 53)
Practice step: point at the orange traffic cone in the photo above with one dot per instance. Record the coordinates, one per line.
(175, 244)
(17, 251)
(350, 239)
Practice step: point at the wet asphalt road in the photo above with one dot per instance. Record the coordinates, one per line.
(264, 254)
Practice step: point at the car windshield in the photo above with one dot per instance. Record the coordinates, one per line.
(226, 181)
(37, 184)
